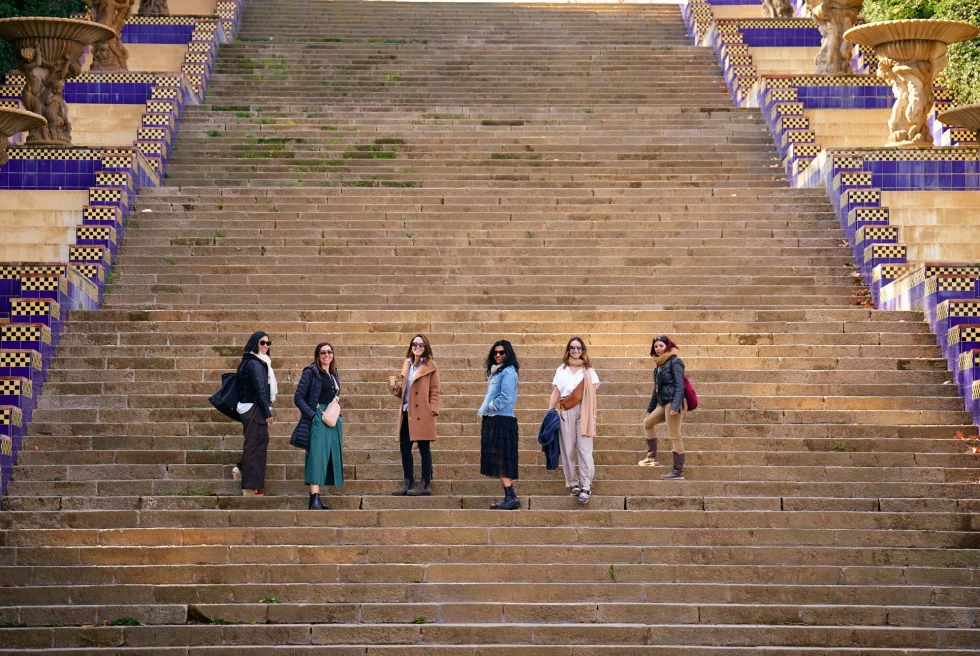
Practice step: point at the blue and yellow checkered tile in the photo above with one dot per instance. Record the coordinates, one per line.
(90, 235)
(852, 179)
(39, 285)
(42, 309)
(803, 150)
(114, 179)
(158, 120)
(94, 254)
(161, 106)
(777, 94)
(119, 161)
(103, 196)
(944, 154)
(10, 416)
(33, 336)
(868, 235)
(955, 312)
(960, 339)
(943, 287)
(882, 254)
(12, 389)
(792, 122)
(798, 137)
(25, 363)
(6, 446)
(967, 370)
(102, 215)
(166, 93)
(93, 272)
(787, 109)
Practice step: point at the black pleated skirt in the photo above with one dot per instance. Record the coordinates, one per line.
(498, 447)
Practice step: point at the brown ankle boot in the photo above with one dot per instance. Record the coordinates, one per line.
(423, 489)
(407, 484)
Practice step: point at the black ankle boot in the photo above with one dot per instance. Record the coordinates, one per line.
(316, 503)
(510, 502)
(407, 485)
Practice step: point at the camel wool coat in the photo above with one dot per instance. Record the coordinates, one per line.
(423, 401)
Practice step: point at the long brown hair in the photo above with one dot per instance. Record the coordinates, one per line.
(316, 359)
(426, 353)
(585, 356)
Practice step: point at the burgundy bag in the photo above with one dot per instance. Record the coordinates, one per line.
(691, 395)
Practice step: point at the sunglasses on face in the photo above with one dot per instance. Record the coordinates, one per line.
(326, 352)
(500, 352)
(265, 342)
(574, 348)
(418, 345)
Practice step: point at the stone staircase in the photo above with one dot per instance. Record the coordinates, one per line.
(493, 171)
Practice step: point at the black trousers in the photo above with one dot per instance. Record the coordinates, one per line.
(255, 450)
(405, 444)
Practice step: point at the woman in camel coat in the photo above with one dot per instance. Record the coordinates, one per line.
(418, 388)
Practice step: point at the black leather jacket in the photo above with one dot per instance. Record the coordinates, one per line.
(668, 385)
(253, 381)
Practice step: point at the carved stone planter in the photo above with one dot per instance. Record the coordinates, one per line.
(13, 121)
(110, 55)
(910, 54)
(833, 18)
(48, 52)
(967, 117)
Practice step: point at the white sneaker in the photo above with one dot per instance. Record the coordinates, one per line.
(583, 497)
(236, 473)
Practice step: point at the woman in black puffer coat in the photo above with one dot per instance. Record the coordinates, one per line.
(667, 405)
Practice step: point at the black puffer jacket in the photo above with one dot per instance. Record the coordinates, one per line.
(306, 398)
(253, 380)
(668, 385)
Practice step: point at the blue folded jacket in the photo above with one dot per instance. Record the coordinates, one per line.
(549, 437)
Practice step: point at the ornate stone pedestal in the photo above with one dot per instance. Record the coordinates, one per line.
(833, 18)
(154, 8)
(110, 55)
(968, 117)
(777, 9)
(13, 121)
(910, 54)
(48, 52)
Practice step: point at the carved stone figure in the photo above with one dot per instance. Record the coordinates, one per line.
(911, 82)
(48, 52)
(154, 8)
(777, 9)
(110, 55)
(833, 18)
(43, 93)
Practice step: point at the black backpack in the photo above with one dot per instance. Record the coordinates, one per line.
(225, 400)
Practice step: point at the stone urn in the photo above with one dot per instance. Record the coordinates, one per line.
(833, 19)
(967, 116)
(910, 54)
(48, 52)
(154, 8)
(13, 121)
(777, 9)
(111, 54)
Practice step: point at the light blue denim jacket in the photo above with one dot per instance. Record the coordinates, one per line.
(501, 394)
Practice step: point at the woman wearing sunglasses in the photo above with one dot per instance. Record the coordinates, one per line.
(257, 392)
(418, 389)
(318, 386)
(574, 396)
(498, 433)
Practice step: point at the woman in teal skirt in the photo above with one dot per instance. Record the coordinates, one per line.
(317, 387)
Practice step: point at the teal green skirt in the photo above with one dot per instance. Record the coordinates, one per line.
(325, 457)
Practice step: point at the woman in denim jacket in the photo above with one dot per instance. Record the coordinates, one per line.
(498, 435)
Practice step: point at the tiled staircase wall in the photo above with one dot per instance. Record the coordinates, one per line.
(35, 297)
(946, 292)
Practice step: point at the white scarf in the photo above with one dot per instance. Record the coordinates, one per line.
(273, 387)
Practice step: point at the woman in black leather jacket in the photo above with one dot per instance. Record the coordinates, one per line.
(667, 405)
(257, 392)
